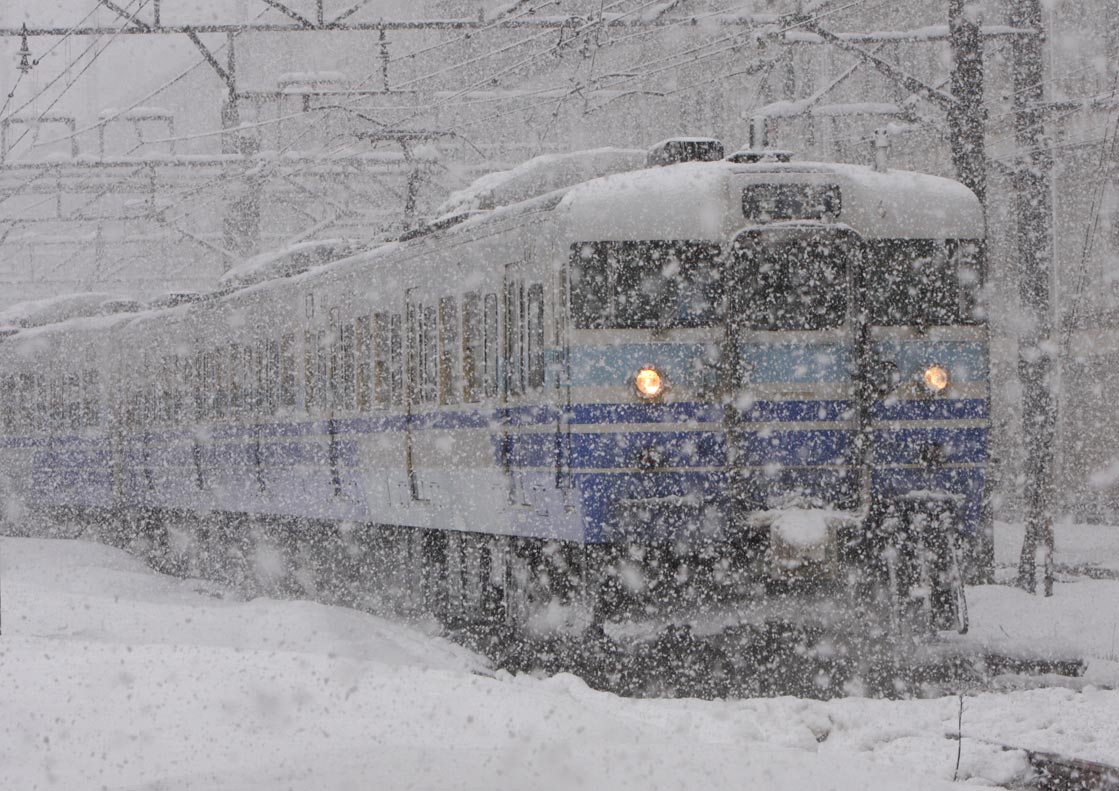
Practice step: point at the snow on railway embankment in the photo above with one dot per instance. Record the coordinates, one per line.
(116, 677)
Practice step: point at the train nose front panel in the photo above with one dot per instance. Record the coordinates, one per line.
(790, 417)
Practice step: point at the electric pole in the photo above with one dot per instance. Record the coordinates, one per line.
(1033, 212)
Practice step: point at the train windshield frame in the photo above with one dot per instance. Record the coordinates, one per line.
(646, 285)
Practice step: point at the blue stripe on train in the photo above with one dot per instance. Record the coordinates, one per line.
(689, 505)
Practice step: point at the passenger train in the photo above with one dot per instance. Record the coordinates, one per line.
(694, 381)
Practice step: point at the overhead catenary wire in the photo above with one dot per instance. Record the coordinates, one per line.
(83, 70)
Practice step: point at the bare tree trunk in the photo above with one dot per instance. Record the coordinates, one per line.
(1035, 256)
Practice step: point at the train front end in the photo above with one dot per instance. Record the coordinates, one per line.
(778, 376)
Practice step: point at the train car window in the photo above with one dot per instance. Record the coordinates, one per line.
(382, 384)
(71, 387)
(270, 385)
(363, 357)
(308, 370)
(346, 368)
(324, 357)
(413, 363)
(920, 281)
(252, 370)
(206, 392)
(91, 397)
(490, 346)
(168, 400)
(472, 352)
(396, 362)
(7, 407)
(795, 281)
(645, 285)
(187, 385)
(534, 304)
(235, 378)
(514, 338)
(429, 351)
(24, 401)
(448, 350)
(287, 370)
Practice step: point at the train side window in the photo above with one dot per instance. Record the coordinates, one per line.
(287, 370)
(534, 356)
(430, 355)
(272, 376)
(448, 350)
(26, 400)
(346, 366)
(412, 362)
(324, 358)
(382, 385)
(7, 408)
(309, 345)
(204, 395)
(235, 377)
(72, 392)
(490, 346)
(473, 355)
(253, 396)
(396, 364)
(514, 338)
(363, 356)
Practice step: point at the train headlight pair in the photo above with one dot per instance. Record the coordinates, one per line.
(649, 383)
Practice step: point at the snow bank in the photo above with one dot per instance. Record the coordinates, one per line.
(117, 677)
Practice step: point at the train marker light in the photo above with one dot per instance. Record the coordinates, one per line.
(649, 383)
(936, 378)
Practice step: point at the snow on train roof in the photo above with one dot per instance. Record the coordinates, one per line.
(703, 200)
(540, 175)
(51, 310)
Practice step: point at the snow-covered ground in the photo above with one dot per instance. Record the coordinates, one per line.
(112, 676)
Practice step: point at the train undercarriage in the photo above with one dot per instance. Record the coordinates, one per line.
(805, 602)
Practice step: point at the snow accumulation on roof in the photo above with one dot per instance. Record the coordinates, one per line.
(541, 175)
(52, 310)
(288, 261)
(685, 201)
(702, 200)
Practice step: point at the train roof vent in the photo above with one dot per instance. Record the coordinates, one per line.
(751, 156)
(684, 149)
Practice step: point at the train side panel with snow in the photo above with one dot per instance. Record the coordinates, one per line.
(723, 373)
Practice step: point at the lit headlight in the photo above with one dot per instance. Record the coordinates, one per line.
(649, 383)
(936, 378)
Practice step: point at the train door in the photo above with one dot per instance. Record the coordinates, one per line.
(526, 450)
(793, 432)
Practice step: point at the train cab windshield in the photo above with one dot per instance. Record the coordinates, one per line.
(921, 282)
(792, 279)
(645, 284)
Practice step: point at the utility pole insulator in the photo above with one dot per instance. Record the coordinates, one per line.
(25, 64)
